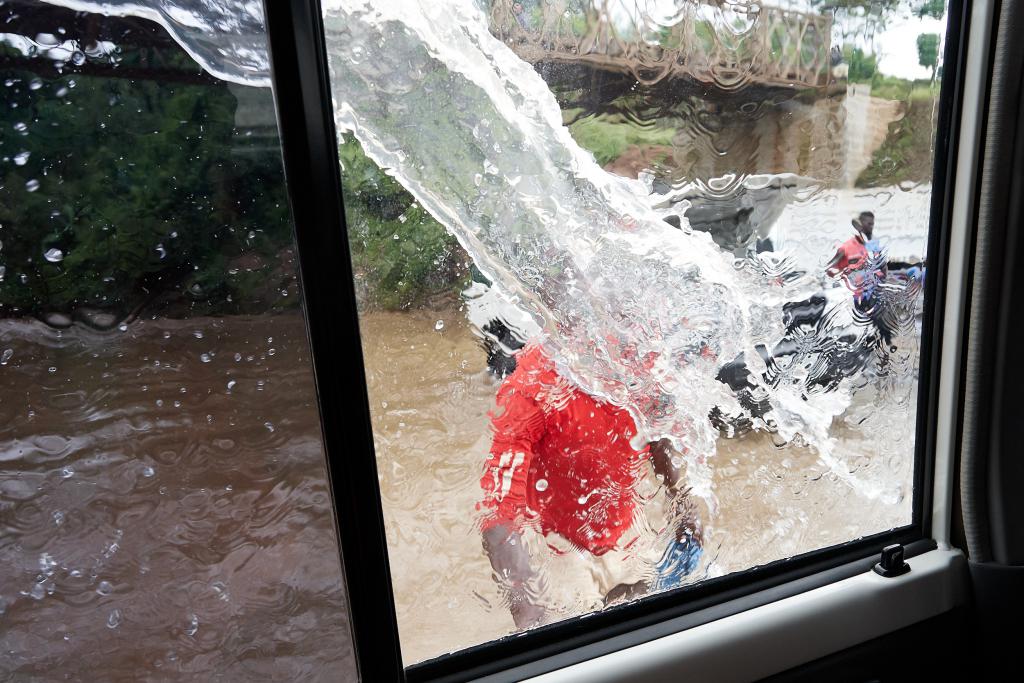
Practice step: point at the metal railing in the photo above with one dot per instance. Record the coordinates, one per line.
(707, 42)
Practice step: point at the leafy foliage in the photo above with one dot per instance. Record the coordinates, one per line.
(148, 191)
(931, 8)
(607, 138)
(401, 255)
(928, 51)
(862, 67)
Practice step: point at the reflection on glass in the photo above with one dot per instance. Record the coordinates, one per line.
(641, 289)
(164, 510)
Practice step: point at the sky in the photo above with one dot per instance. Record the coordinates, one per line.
(897, 46)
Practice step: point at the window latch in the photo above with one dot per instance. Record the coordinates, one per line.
(892, 563)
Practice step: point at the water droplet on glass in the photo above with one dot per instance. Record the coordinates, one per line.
(542, 485)
(115, 619)
(105, 588)
(52, 369)
(35, 84)
(78, 58)
(54, 255)
(198, 334)
(439, 325)
(231, 385)
(32, 185)
(6, 356)
(205, 357)
(21, 158)
(193, 625)
(38, 591)
(269, 426)
(67, 471)
(58, 517)
(148, 471)
(161, 251)
(21, 128)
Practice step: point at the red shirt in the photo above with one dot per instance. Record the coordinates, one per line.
(853, 257)
(852, 254)
(560, 459)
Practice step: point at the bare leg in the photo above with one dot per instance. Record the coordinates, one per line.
(511, 562)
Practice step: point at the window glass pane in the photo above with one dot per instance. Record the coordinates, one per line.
(164, 508)
(641, 289)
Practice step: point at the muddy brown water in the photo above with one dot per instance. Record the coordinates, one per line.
(164, 512)
(163, 506)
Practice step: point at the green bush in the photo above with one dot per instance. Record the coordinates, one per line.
(146, 188)
(402, 257)
(608, 138)
(862, 67)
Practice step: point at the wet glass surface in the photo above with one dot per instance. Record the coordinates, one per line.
(641, 289)
(626, 323)
(164, 510)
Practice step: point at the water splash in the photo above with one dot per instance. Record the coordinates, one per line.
(226, 37)
(631, 308)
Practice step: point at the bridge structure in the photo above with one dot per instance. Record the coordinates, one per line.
(710, 46)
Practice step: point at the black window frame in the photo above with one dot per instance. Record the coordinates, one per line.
(305, 114)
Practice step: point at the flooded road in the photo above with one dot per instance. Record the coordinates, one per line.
(163, 509)
(430, 394)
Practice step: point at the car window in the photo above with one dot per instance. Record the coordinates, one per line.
(164, 506)
(641, 290)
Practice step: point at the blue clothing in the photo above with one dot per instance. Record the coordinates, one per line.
(680, 559)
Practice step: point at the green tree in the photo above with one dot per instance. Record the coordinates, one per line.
(928, 51)
(401, 255)
(862, 66)
(115, 192)
(931, 8)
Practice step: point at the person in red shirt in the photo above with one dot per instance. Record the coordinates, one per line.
(852, 254)
(851, 262)
(561, 462)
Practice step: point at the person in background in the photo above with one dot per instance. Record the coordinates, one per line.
(852, 255)
(520, 13)
(860, 262)
(561, 462)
